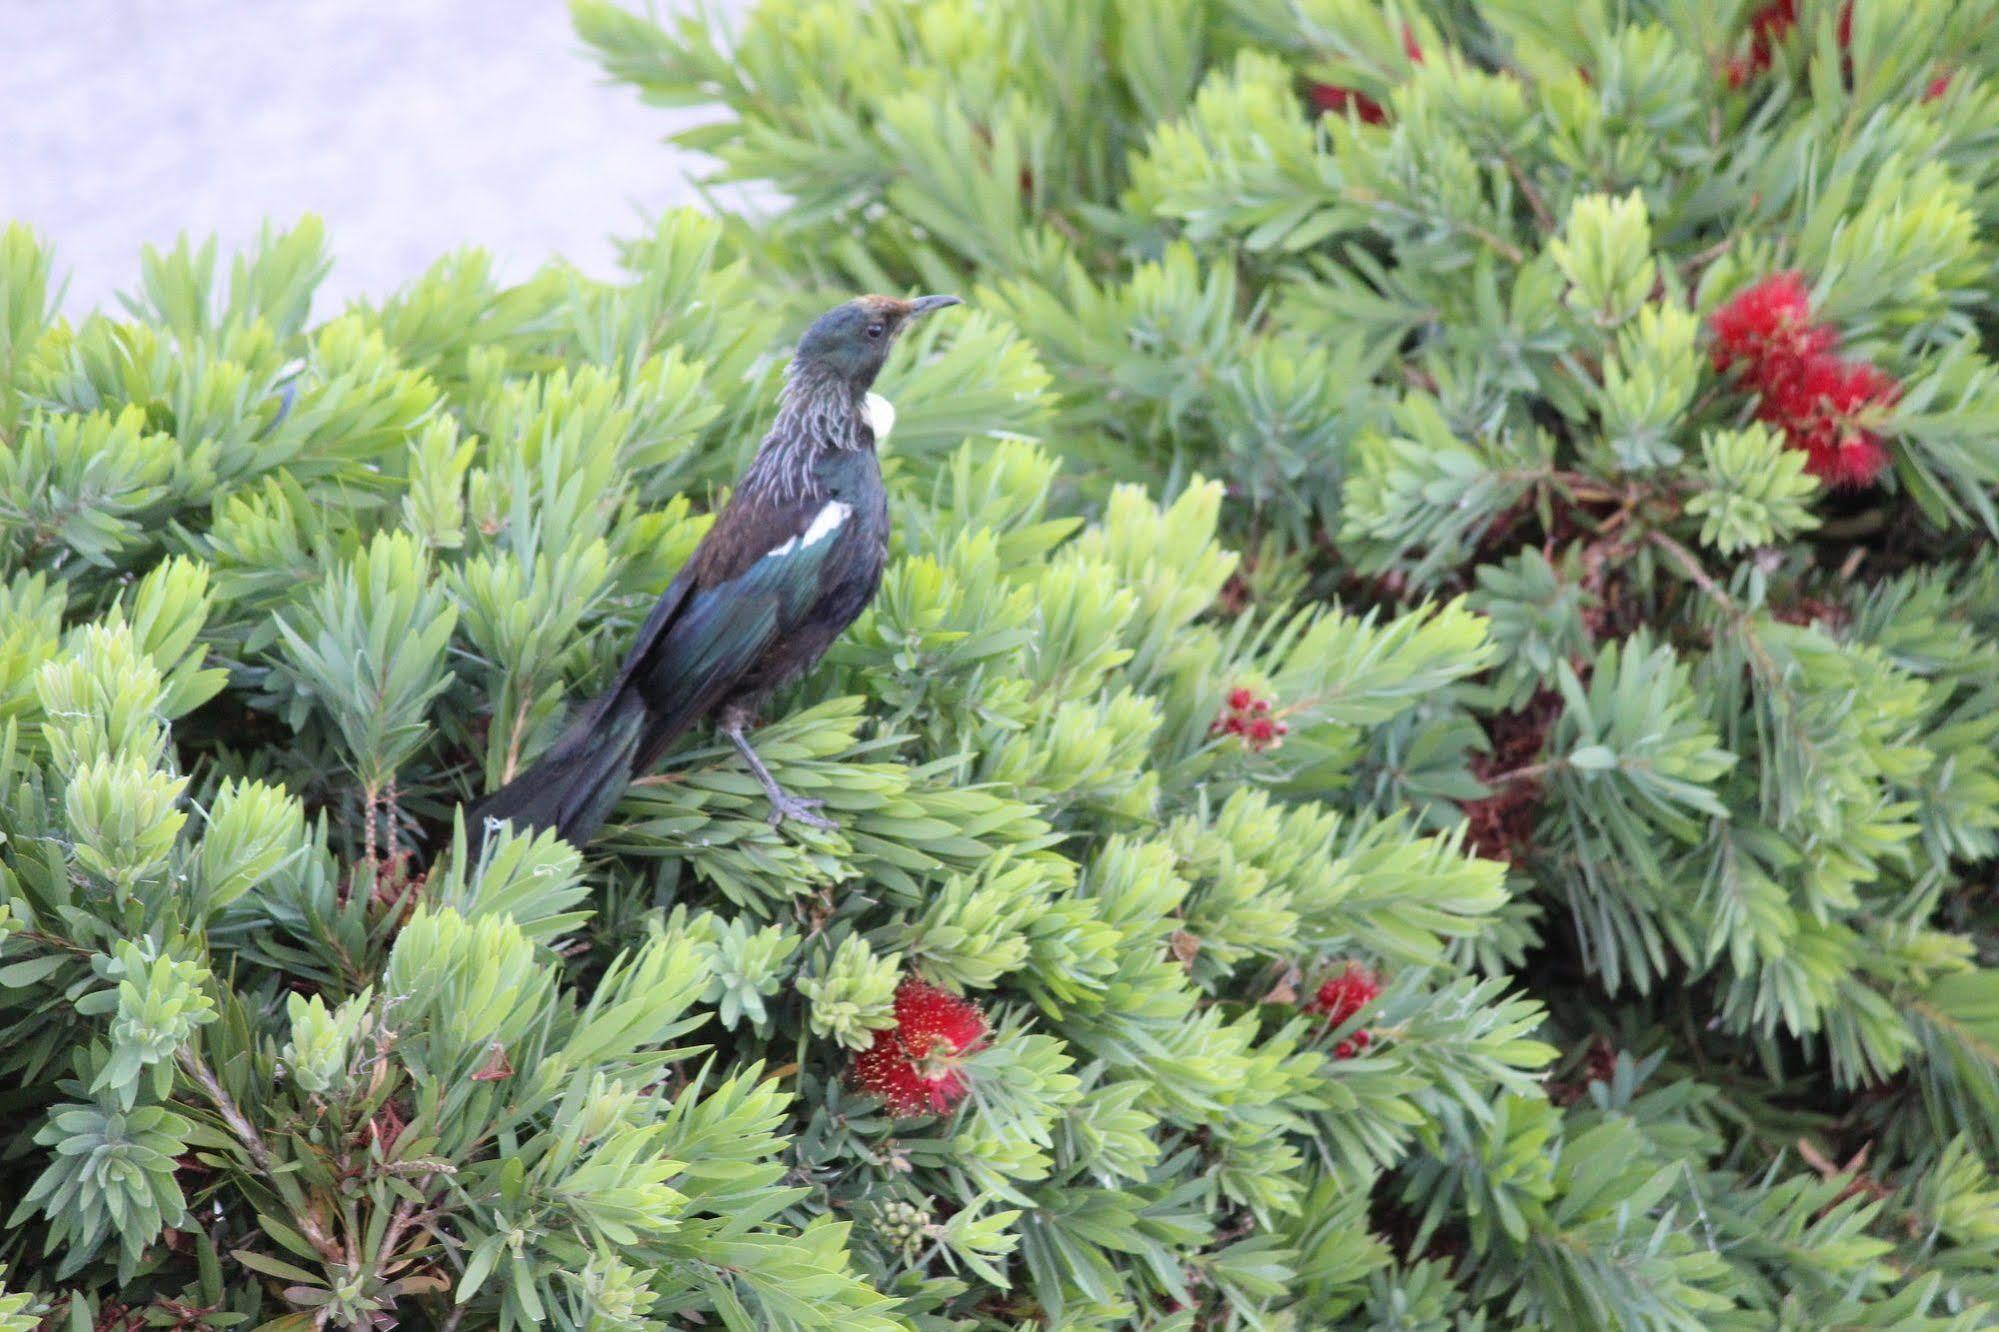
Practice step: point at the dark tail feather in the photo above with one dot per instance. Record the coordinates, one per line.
(574, 786)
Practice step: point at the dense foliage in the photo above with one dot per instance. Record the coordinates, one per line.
(1150, 979)
(279, 597)
(1661, 330)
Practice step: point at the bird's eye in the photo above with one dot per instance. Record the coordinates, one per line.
(876, 330)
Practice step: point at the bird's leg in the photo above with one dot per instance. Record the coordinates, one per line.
(783, 804)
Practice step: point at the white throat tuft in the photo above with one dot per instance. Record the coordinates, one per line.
(881, 416)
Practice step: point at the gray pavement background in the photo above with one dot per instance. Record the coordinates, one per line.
(410, 126)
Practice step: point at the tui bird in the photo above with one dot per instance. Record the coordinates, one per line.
(795, 555)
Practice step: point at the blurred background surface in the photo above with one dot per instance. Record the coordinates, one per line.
(409, 126)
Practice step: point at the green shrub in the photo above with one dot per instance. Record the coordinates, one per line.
(278, 597)
(1235, 1035)
(1661, 332)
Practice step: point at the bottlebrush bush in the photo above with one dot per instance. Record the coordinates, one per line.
(1661, 332)
(1035, 1037)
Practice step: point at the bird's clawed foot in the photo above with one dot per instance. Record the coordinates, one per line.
(784, 805)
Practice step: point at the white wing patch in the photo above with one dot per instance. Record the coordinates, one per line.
(881, 415)
(824, 524)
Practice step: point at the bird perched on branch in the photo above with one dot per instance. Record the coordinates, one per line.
(795, 555)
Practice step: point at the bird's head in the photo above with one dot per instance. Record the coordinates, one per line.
(851, 341)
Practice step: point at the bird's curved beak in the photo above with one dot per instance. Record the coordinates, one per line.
(925, 304)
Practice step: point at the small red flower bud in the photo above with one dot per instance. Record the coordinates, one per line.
(1240, 698)
(1331, 99)
(1768, 27)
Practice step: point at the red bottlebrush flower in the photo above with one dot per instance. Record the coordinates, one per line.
(1250, 717)
(913, 1066)
(1813, 396)
(1938, 87)
(1342, 995)
(1819, 409)
(1768, 24)
(1330, 98)
(1768, 327)
(1767, 27)
(1819, 386)
(1335, 98)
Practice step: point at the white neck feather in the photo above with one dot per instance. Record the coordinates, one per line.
(881, 416)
